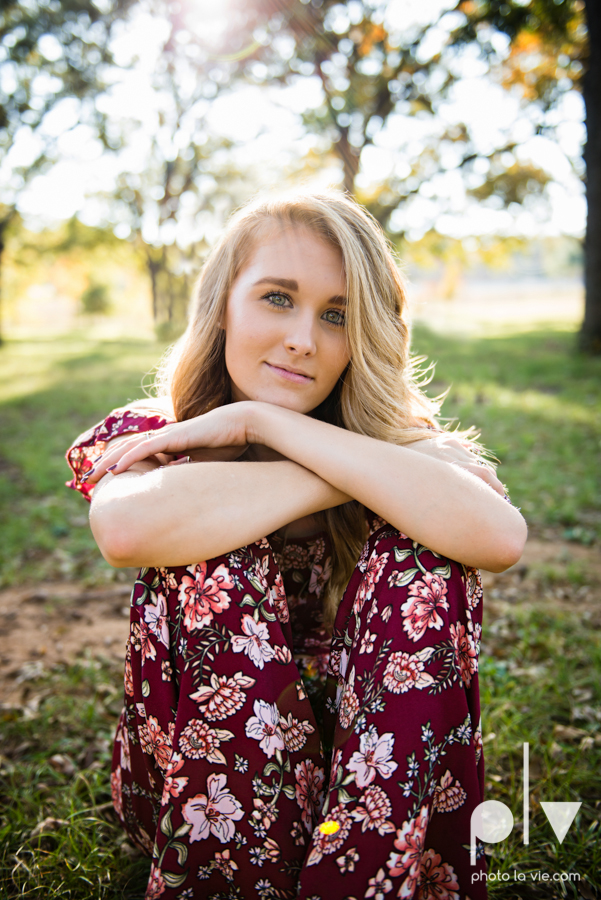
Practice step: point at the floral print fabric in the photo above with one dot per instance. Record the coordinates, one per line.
(258, 757)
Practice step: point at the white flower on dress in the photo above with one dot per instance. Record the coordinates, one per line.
(264, 727)
(155, 617)
(254, 642)
(373, 757)
(214, 812)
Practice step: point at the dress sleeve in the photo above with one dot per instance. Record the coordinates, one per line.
(87, 449)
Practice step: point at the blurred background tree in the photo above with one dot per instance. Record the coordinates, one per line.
(391, 111)
(51, 54)
(372, 71)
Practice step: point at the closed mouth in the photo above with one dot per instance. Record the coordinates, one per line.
(291, 374)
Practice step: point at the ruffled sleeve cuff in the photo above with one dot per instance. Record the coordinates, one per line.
(87, 449)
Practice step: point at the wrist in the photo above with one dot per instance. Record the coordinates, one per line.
(261, 418)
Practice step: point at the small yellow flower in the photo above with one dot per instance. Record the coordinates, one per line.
(330, 827)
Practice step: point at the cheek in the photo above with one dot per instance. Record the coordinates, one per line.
(338, 358)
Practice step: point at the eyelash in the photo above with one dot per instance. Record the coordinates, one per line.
(269, 297)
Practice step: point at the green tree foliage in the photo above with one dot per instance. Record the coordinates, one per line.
(554, 48)
(50, 51)
(371, 70)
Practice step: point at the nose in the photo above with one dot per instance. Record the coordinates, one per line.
(300, 338)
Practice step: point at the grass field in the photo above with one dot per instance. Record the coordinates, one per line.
(538, 407)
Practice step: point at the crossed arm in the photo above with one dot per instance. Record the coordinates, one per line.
(176, 514)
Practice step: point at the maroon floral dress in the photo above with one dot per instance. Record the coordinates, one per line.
(258, 756)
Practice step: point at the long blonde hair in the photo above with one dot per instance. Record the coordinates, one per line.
(378, 394)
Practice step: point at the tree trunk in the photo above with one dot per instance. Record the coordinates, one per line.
(590, 334)
(153, 270)
(350, 160)
(3, 226)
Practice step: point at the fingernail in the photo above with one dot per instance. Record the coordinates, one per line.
(85, 477)
(110, 468)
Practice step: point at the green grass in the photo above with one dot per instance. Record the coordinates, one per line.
(536, 402)
(84, 853)
(50, 391)
(540, 684)
(537, 405)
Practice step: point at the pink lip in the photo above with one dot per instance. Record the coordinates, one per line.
(289, 375)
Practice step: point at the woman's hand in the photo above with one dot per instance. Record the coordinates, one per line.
(448, 449)
(219, 435)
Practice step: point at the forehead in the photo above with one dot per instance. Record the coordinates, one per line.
(284, 248)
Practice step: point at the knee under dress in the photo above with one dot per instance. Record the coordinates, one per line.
(260, 757)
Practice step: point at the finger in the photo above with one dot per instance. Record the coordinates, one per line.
(487, 474)
(181, 461)
(121, 457)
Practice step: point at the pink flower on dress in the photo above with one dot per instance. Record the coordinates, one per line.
(473, 587)
(156, 884)
(326, 842)
(277, 595)
(123, 737)
(478, 742)
(320, 575)
(347, 862)
(156, 619)
(155, 741)
(296, 832)
(349, 706)
(199, 741)
(223, 696)
(295, 732)
(404, 671)
(254, 642)
(448, 796)
(117, 791)
(264, 727)
(200, 597)
(173, 786)
(272, 850)
(421, 610)
(334, 663)
(128, 677)
(309, 790)
(140, 638)
(373, 573)
(373, 757)
(466, 652)
(368, 642)
(379, 886)
(263, 814)
(283, 654)
(214, 812)
(168, 578)
(437, 880)
(374, 810)
(225, 865)
(407, 854)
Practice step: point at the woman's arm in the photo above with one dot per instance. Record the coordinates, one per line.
(183, 513)
(440, 505)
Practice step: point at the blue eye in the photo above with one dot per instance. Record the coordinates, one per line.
(334, 317)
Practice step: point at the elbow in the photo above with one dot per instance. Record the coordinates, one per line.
(508, 548)
(115, 540)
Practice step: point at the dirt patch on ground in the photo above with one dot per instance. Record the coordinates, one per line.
(46, 624)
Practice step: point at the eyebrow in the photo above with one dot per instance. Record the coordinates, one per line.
(289, 283)
(292, 285)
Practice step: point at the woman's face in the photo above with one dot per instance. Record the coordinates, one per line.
(285, 340)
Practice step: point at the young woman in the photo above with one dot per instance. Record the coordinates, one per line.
(301, 699)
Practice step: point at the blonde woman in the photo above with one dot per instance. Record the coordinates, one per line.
(301, 699)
